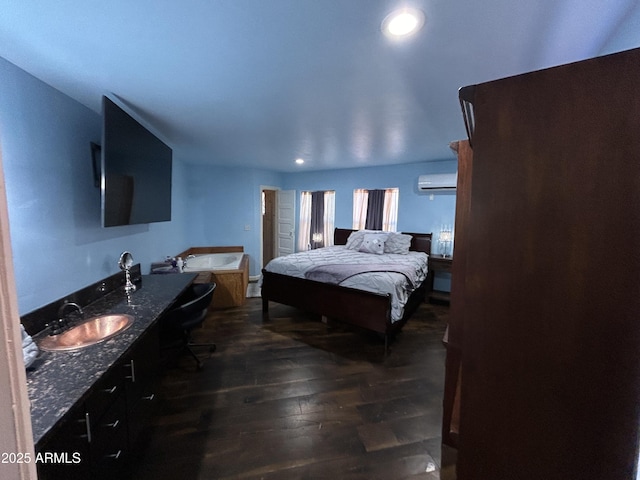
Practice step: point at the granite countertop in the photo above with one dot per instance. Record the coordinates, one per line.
(62, 380)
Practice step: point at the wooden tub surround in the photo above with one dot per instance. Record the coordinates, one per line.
(231, 290)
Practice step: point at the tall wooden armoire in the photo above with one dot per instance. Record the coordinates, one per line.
(545, 321)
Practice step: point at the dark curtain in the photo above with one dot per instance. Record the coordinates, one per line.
(375, 210)
(317, 219)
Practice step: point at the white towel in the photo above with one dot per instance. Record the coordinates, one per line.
(30, 350)
(26, 339)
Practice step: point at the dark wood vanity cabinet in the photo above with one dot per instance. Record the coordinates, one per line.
(101, 435)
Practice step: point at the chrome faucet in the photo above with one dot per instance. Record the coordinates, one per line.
(64, 306)
(186, 259)
(60, 323)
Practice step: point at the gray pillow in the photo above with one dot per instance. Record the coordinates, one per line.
(397, 243)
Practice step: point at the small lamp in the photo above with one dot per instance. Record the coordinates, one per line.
(444, 240)
(316, 239)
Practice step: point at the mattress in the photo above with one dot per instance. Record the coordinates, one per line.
(396, 284)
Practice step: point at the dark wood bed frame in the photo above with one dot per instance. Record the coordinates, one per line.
(368, 310)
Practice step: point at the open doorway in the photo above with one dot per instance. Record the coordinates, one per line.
(268, 225)
(277, 223)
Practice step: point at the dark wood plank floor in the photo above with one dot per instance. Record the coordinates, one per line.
(290, 398)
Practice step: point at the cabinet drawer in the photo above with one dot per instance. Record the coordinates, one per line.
(109, 436)
(105, 391)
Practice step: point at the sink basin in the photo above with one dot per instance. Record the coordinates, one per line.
(94, 330)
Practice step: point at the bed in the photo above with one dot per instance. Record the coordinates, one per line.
(370, 310)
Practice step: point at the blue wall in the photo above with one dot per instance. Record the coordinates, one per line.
(54, 208)
(417, 212)
(225, 207)
(224, 202)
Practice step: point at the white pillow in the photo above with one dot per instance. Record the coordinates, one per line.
(373, 243)
(398, 243)
(354, 242)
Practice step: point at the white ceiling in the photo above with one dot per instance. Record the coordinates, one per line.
(262, 82)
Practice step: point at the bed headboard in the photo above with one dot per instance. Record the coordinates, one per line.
(421, 242)
(340, 235)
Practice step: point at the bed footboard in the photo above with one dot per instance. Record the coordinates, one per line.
(356, 307)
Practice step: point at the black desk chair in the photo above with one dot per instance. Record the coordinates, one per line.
(190, 313)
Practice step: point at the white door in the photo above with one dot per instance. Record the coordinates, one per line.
(286, 222)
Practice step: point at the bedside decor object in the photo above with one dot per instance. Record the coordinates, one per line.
(317, 241)
(444, 241)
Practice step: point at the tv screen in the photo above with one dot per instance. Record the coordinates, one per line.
(136, 171)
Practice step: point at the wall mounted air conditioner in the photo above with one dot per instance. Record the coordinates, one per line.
(439, 182)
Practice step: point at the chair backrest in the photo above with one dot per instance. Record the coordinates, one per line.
(193, 311)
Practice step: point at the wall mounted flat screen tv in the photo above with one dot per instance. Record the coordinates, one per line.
(135, 180)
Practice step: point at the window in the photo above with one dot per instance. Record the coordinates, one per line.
(375, 209)
(317, 217)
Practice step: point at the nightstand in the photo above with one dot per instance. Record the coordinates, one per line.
(437, 263)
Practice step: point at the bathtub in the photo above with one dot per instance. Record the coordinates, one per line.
(227, 267)
(213, 262)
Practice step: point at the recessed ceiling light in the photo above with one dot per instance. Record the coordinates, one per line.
(299, 161)
(403, 22)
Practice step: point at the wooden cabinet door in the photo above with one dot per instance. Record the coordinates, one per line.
(453, 343)
(550, 366)
(451, 412)
(142, 386)
(66, 455)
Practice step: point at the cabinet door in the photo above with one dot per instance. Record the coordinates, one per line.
(109, 445)
(451, 404)
(550, 369)
(66, 455)
(143, 372)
